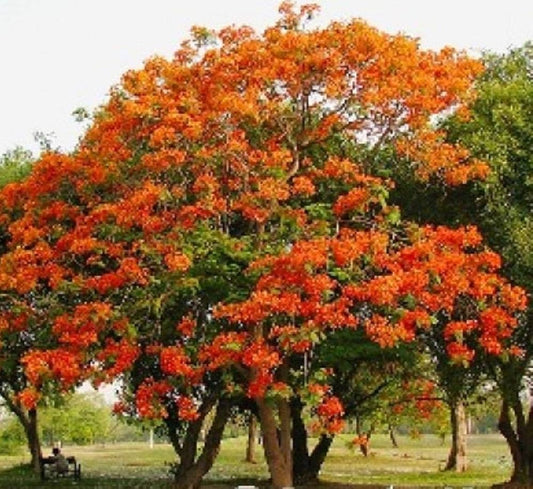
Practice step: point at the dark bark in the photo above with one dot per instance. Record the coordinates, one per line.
(277, 440)
(191, 470)
(285, 432)
(392, 436)
(511, 437)
(318, 455)
(173, 435)
(306, 466)
(300, 449)
(519, 439)
(188, 444)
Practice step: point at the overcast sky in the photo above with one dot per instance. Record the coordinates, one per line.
(58, 55)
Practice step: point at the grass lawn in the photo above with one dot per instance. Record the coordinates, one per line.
(416, 463)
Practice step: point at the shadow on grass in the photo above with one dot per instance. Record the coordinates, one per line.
(22, 476)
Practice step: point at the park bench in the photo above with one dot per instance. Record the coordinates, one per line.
(47, 472)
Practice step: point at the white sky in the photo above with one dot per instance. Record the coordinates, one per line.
(58, 55)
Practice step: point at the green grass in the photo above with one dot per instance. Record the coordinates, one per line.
(417, 463)
(420, 463)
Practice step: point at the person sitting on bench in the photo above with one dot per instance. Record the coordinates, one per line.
(60, 465)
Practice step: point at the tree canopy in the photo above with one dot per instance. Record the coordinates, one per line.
(210, 229)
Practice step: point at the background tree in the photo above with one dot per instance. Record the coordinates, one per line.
(80, 419)
(15, 164)
(500, 132)
(458, 382)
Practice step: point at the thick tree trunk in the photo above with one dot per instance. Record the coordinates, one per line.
(519, 441)
(28, 420)
(252, 438)
(300, 450)
(457, 458)
(306, 467)
(462, 427)
(285, 432)
(277, 447)
(318, 455)
(191, 470)
(34, 443)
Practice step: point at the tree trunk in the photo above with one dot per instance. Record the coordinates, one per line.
(300, 450)
(191, 470)
(462, 428)
(306, 467)
(457, 458)
(392, 436)
(34, 444)
(252, 437)
(318, 455)
(277, 447)
(28, 420)
(519, 441)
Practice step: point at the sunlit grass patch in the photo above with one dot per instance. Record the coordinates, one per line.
(415, 464)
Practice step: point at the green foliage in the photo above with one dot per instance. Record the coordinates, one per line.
(372, 382)
(15, 164)
(80, 419)
(12, 437)
(501, 132)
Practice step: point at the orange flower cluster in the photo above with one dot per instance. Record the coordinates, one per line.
(149, 399)
(174, 362)
(439, 268)
(355, 200)
(224, 350)
(434, 156)
(419, 394)
(187, 409)
(386, 334)
(29, 397)
(360, 440)
(259, 383)
(460, 353)
(177, 262)
(330, 412)
(116, 357)
(60, 365)
(81, 329)
(259, 355)
(292, 339)
(186, 326)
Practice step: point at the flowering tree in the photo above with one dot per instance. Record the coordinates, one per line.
(499, 130)
(226, 159)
